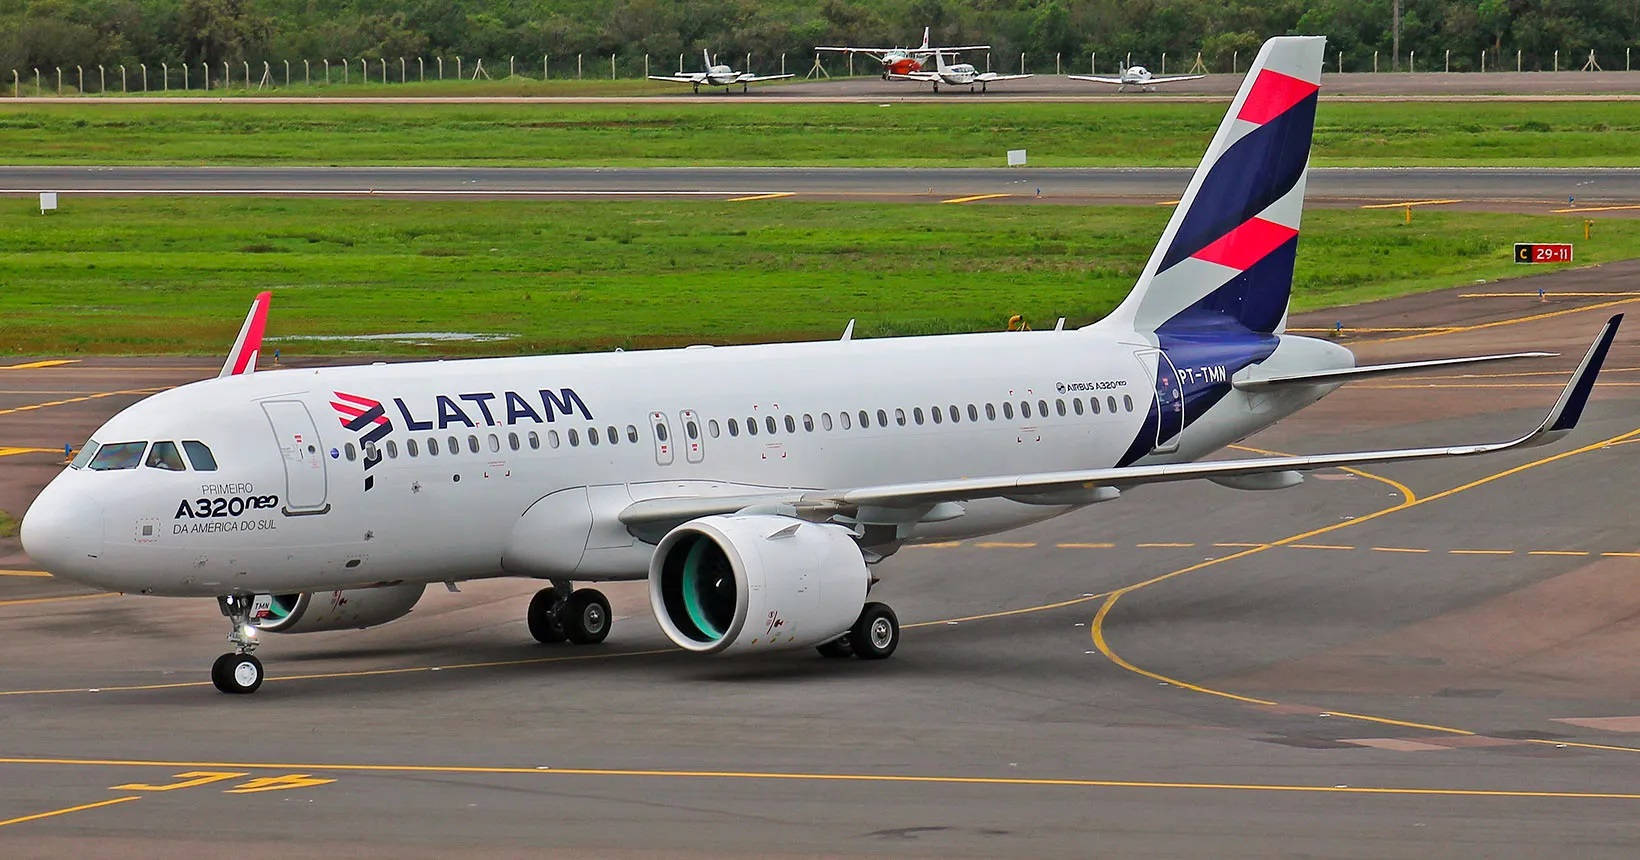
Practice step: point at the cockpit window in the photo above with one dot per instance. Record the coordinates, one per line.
(164, 455)
(118, 455)
(87, 451)
(200, 456)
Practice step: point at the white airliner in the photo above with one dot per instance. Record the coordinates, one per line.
(752, 486)
(1135, 76)
(959, 75)
(903, 60)
(717, 75)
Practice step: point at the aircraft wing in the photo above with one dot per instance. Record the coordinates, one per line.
(678, 79)
(1174, 79)
(1083, 486)
(1097, 79)
(752, 79)
(993, 77)
(925, 77)
(849, 50)
(952, 49)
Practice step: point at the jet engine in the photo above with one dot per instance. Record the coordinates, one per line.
(761, 582)
(309, 612)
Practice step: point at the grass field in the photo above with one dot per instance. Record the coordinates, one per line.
(723, 132)
(169, 275)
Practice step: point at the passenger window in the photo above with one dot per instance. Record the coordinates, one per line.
(973, 413)
(1127, 402)
(410, 448)
(512, 441)
(712, 428)
(552, 438)
(843, 417)
(791, 424)
(1007, 409)
(1024, 408)
(632, 432)
(808, 422)
(1077, 405)
(392, 449)
(199, 456)
(660, 431)
(916, 414)
(574, 439)
(825, 420)
(472, 443)
(990, 412)
(432, 447)
(865, 419)
(613, 435)
(768, 424)
(956, 414)
(934, 413)
(1111, 402)
(1042, 408)
(164, 455)
(592, 436)
(1093, 405)
(118, 457)
(455, 445)
(348, 452)
(882, 418)
(534, 440)
(734, 427)
(899, 417)
(1060, 406)
(751, 427)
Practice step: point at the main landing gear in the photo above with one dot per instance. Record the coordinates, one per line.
(238, 671)
(582, 617)
(874, 636)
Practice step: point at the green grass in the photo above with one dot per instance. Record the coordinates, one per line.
(169, 275)
(8, 525)
(721, 131)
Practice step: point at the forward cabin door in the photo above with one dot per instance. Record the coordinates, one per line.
(299, 448)
(1169, 400)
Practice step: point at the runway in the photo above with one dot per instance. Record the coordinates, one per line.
(1486, 187)
(1430, 661)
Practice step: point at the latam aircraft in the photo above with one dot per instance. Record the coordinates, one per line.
(754, 487)
(957, 75)
(1136, 76)
(900, 61)
(717, 75)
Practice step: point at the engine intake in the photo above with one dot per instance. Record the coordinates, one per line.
(353, 608)
(761, 582)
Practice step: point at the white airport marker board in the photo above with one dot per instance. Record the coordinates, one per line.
(48, 202)
(1016, 158)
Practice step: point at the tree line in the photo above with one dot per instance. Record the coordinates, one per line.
(64, 33)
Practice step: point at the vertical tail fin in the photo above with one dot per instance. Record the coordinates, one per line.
(1226, 257)
(706, 54)
(925, 36)
(242, 358)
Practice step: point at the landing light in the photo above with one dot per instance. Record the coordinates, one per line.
(248, 632)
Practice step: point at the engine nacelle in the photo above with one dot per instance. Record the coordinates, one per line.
(334, 610)
(760, 582)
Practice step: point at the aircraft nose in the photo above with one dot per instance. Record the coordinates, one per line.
(62, 531)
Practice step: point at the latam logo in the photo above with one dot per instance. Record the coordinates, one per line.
(493, 409)
(363, 415)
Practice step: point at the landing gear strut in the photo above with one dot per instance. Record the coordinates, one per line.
(582, 618)
(874, 636)
(238, 671)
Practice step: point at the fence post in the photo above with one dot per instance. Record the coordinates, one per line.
(748, 66)
(59, 80)
(1517, 60)
(165, 81)
(122, 78)
(1449, 60)
(1375, 62)
(102, 80)
(144, 76)
(1236, 55)
(307, 74)
(1093, 63)
(646, 65)
(782, 62)
(421, 70)
(544, 73)
(459, 75)
(612, 67)
(1483, 62)
(1341, 62)
(1557, 59)
(248, 73)
(680, 64)
(440, 67)
(383, 61)
(1022, 62)
(79, 79)
(16, 85)
(184, 77)
(287, 73)
(577, 66)
(1164, 62)
(1056, 63)
(1412, 61)
(402, 78)
(326, 61)
(512, 70)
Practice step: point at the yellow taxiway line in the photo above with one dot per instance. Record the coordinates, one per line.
(23, 573)
(1594, 209)
(975, 197)
(33, 365)
(8, 451)
(770, 196)
(55, 812)
(1405, 203)
(1547, 293)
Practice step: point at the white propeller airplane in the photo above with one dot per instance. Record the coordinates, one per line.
(958, 75)
(899, 61)
(752, 486)
(717, 75)
(1135, 76)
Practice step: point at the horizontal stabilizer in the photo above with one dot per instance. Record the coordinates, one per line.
(1350, 374)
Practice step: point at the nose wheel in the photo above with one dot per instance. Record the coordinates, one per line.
(238, 671)
(582, 618)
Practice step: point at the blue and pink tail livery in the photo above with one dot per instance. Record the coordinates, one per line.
(1225, 261)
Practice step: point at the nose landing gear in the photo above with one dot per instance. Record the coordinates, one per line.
(238, 671)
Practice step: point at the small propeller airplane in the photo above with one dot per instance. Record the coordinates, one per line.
(717, 75)
(1135, 76)
(961, 74)
(903, 61)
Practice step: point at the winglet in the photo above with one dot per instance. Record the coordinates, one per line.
(1563, 417)
(242, 358)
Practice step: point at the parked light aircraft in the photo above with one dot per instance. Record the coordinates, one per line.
(1135, 76)
(752, 486)
(717, 75)
(901, 61)
(960, 74)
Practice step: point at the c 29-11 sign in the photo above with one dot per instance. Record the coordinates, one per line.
(1543, 252)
